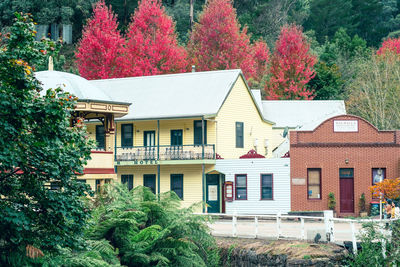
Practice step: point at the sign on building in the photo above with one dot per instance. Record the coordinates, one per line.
(345, 125)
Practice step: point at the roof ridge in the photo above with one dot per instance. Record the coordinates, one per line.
(165, 75)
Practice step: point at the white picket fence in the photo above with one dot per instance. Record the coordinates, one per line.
(328, 221)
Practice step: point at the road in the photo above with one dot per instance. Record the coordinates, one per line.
(290, 229)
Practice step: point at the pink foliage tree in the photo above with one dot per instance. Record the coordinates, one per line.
(217, 43)
(390, 45)
(152, 46)
(100, 51)
(260, 53)
(291, 66)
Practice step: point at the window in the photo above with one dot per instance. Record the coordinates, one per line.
(149, 138)
(177, 184)
(128, 180)
(314, 183)
(97, 185)
(100, 136)
(176, 137)
(239, 135)
(149, 180)
(127, 135)
(346, 173)
(241, 186)
(378, 174)
(198, 133)
(54, 185)
(266, 187)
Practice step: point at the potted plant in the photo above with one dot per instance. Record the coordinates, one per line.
(332, 202)
(362, 206)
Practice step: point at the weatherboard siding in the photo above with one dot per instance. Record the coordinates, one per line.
(192, 179)
(280, 168)
(240, 107)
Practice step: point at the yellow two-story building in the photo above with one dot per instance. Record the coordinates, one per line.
(179, 126)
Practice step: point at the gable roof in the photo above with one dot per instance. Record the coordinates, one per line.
(297, 113)
(183, 95)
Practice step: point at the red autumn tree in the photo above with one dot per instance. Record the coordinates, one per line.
(260, 53)
(390, 45)
(291, 66)
(100, 51)
(217, 43)
(152, 42)
(388, 188)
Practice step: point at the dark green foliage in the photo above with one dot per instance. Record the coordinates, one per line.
(37, 146)
(373, 240)
(327, 83)
(327, 16)
(148, 232)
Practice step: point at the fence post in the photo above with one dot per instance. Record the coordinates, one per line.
(302, 229)
(234, 220)
(278, 224)
(353, 237)
(256, 226)
(329, 225)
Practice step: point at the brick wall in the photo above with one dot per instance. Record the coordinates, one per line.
(323, 148)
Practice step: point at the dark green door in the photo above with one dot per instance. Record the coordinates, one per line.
(149, 180)
(212, 193)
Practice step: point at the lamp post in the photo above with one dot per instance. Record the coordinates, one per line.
(380, 194)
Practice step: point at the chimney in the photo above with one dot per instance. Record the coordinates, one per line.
(193, 68)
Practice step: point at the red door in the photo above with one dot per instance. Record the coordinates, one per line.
(346, 195)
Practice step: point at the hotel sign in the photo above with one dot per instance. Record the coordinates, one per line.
(345, 126)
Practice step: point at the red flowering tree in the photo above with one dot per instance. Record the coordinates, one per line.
(291, 66)
(100, 51)
(390, 45)
(217, 43)
(260, 53)
(152, 42)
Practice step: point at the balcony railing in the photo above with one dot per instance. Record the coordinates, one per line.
(183, 152)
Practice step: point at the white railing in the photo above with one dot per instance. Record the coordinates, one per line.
(276, 219)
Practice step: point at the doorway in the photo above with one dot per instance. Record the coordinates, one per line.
(213, 197)
(346, 177)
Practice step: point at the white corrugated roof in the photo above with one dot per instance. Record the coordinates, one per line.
(295, 113)
(73, 84)
(191, 94)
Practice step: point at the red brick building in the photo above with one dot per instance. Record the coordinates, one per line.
(344, 155)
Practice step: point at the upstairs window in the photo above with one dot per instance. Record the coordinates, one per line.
(266, 187)
(176, 137)
(314, 183)
(100, 136)
(198, 133)
(127, 135)
(241, 186)
(239, 135)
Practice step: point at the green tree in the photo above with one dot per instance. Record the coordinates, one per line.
(327, 83)
(327, 16)
(38, 146)
(367, 17)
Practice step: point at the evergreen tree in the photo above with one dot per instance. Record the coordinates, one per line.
(100, 51)
(152, 46)
(367, 15)
(217, 43)
(327, 16)
(291, 66)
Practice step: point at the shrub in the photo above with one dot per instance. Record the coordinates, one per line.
(361, 203)
(331, 201)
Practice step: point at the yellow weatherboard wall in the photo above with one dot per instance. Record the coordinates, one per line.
(240, 107)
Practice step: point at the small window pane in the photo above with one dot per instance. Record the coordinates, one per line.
(128, 180)
(241, 193)
(378, 174)
(346, 173)
(240, 181)
(239, 135)
(314, 184)
(100, 136)
(266, 186)
(176, 137)
(127, 135)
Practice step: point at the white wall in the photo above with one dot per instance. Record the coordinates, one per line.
(279, 167)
